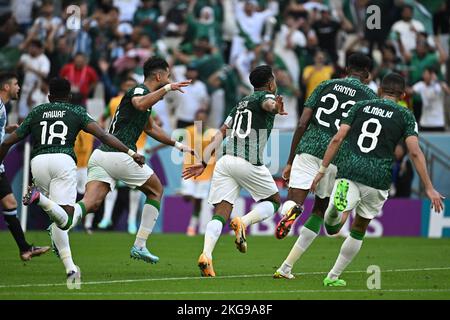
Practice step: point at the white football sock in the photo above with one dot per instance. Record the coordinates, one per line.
(305, 239)
(61, 241)
(148, 220)
(88, 220)
(54, 211)
(193, 222)
(288, 205)
(135, 197)
(349, 249)
(260, 212)
(110, 200)
(212, 234)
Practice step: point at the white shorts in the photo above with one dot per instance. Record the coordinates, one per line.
(231, 173)
(366, 201)
(195, 189)
(110, 167)
(55, 174)
(305, 168)
(81, 180)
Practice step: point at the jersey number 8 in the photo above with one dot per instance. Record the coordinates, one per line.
(369, 135)
(52, 134)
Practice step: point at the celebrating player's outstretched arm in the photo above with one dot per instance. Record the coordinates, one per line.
(157, 133)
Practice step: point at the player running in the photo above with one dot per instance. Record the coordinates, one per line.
(54, 127)
(251, 122)
(371, 131)
(9, 90)
(106, 166)
(324, 109)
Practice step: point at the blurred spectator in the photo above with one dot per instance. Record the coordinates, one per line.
(205, 26)
(315, 74)
(432, 92)
(326, 30)
(39, 94)
(287, 40)
(290, 93)
(22, 10)
(423, 57)
(441, 25)
(390, 63)
(35, 66)
(81, 76)
(406, 29)
(194, 98)
(402, 174)
(147, 17)
(127, 8)
(45, 24)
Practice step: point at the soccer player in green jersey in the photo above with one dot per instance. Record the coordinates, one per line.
(371, 131)
(324, 109)
(248, 126)
(106, 166)
(54, 127)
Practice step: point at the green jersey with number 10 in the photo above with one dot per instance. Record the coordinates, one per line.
(54, 127)
(250, 128)
(330, 103)
(367, 153)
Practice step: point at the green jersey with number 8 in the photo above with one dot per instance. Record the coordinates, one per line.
(330, 103)
(367, 153)
(250, 128)
(54, 127)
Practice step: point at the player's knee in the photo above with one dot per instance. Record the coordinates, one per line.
(9, 203)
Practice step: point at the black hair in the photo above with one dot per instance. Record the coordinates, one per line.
(359, 62)
(37, 43)
(59, 88)
(154, 64)
(261, 76)
(6, 77)
(393, 83)
(409, 6)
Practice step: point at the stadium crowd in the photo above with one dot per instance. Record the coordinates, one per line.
(100, 47)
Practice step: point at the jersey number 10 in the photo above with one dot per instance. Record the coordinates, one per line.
(52, 134)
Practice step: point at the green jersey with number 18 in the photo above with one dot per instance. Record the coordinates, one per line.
(54, 127)
(128, 122)
(330, 103)
(377, 126)
(250, 128)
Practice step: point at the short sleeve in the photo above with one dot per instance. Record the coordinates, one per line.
(229, 120)
(138, 91)
(418, 87)
(411, 127)
(352, 114)
(86, 118)
(313, 99)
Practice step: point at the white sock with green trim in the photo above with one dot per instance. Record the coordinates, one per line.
(54, 211)
(212, 234)
(304, 240)
(349, 250)
(61, 240)
(150, 214)
(260, 212)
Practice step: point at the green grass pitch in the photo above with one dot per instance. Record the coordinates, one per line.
(411, 268)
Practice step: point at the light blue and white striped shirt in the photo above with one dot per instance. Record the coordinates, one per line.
(3, 119)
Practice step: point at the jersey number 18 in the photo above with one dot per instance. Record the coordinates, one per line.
(61, 134)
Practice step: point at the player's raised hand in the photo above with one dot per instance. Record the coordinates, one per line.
(179, 85)
(139, 159)
(286, 172)
(316, 181)
(280, 105)
(193, 171)
(436, 199)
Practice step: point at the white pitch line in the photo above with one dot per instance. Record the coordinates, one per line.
(200, 278)
(75, 293)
